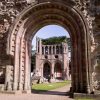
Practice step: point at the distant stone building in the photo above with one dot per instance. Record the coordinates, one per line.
(52, 58)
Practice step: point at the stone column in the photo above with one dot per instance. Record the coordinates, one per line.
(96, 71)
(95, 49)
(36, 45)
(40, 46)
(55, 49)
(51, 49)
(41, 70)
(27, 69)
(16, 65)
(52, 68)
(8, 78)
(52, 71)
(74, 68)
(22, 65)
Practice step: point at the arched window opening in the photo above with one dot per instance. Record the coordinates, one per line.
(57, 49)
(46, 50)
(2, 75)
(53, 50)
(46, 71)
(58, 71)
(42, 50)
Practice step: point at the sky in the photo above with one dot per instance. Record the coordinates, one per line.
(49, 31)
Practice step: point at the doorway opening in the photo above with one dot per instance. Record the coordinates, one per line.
(2, 75)
(58, 71)
(51, 47)
(46, 71)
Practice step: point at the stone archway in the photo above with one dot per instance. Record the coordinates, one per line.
(20, 37)
(46, 70)
(58, 70)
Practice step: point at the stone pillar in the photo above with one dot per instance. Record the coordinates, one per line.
(96, 71)
(9, 78)
(51, 49)
(95, 49)
(20, 70)
(16, 65)
(29, 66)
(48, 50)
(40, 46)
(42, 70)
(74, 68)
(27, 69)
(36, 44)
(52, 72)
(22, 65)
(52, 68)
(55, 49)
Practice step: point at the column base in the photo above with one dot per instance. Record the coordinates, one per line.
(16, 92)
(84, 95)
(26, 91)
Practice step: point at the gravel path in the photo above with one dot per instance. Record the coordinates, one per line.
(57, 94)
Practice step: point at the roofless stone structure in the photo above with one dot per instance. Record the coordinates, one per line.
(52, 58)
(21, 19)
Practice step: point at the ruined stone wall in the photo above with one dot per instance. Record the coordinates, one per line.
(95, 51)
(90, 9)
(10, 9)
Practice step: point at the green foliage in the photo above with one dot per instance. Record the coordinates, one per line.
(54, 40)
(57, 40)
(84, 99)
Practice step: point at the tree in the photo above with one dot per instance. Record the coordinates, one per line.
(57, 40)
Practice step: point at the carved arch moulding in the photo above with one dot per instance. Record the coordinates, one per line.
(20, 25)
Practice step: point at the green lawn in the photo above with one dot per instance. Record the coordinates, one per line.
(49, 86)
(84, 99)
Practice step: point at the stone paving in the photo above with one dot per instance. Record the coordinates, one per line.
(57, 94)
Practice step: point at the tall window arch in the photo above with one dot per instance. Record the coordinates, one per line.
(46, 50)
(46, 70)
(50, 50)
(53, 50)
(57, 49)
(58, 70)
(42, 50)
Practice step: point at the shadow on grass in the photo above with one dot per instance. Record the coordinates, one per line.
(45, 92)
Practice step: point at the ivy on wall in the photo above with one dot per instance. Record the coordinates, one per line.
(54, 40)
(57, 40)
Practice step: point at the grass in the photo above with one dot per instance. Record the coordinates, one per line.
(84, 99)
(49, 86)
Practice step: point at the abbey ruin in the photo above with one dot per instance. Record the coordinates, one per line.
(21, 19)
